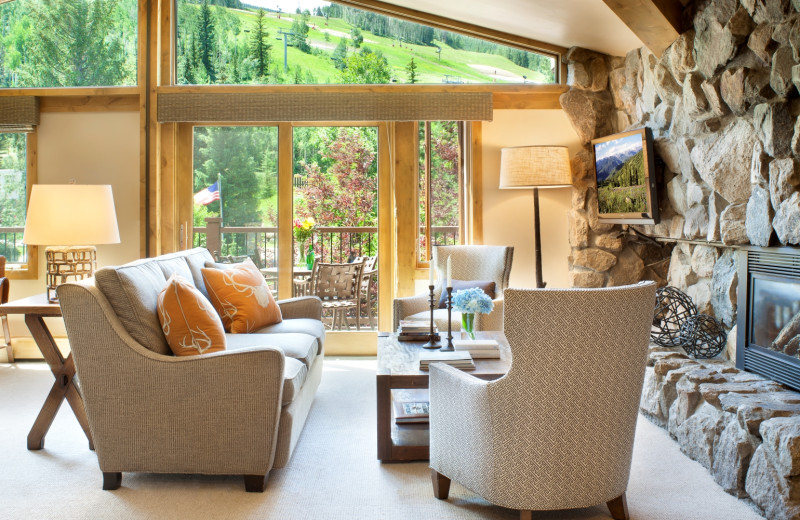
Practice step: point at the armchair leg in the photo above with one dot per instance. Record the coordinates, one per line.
(618, 507)
(525, 514)
(112, 480)
(441, 485)
(255, 483)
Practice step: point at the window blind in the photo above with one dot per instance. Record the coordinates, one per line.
(324, 106)
(18, 114)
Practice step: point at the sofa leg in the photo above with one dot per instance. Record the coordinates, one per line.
(525, 514)
(112, 480)
(255, 483)
(441, 485)
(618, 507)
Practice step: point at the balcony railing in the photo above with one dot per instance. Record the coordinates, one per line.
(331, 244)
(11, 245)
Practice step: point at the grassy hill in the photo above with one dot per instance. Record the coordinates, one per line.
(625, 190)
(451, 65)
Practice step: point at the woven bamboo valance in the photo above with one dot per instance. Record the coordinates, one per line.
(18, 113)
(324, 106)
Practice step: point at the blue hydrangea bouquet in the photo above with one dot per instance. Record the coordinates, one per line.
(470, 302)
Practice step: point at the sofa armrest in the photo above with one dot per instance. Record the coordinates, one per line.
(301, 307)
(403, 307)
(493, 320)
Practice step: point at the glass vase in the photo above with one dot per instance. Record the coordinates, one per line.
(468, 325)
(310, 257)
(301, 253)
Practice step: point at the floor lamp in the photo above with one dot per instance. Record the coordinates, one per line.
(526, 167)
(71, 219)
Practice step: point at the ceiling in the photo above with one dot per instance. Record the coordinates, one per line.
(583, 23)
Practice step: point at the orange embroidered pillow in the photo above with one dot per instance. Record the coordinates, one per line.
(188, 320)
(241, 297)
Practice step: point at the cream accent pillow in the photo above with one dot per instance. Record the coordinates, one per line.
(241, 297)
(190, 323)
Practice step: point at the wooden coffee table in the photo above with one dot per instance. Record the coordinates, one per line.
(398, 368)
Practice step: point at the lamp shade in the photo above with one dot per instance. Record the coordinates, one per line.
(71, 215)
(535, 167)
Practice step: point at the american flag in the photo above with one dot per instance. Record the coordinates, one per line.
(208, 195)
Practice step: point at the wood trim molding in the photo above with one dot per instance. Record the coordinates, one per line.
(121, 103)
(31, 269)
(351, 89)
(285, 210)
(656, 22)
(468, 29)
(70, 91)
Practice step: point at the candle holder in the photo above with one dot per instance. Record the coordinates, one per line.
(449, 347)
(431, 344)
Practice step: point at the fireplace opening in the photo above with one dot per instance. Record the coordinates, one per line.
(768, 341)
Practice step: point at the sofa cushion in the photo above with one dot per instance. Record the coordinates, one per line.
(294, 375)
(189, 321)
(241, 297)
(298, 346)
(132, 290)
(304, 325)
(175, 265)
(196, 259)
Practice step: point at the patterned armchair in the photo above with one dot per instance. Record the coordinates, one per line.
(557, 431)
(470, 263)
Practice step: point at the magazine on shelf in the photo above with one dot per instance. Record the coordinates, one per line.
(416, 331)
(411, 405)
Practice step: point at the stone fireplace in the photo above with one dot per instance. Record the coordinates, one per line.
(768, 340)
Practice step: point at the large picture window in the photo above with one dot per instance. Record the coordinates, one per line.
(68, 43)
(255, 42)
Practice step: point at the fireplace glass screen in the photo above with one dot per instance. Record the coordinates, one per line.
(776, 316)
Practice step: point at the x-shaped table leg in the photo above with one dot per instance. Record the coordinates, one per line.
(63, 387)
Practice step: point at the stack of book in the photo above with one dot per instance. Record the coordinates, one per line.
(416, 331)
(478, 348)
(461, 360)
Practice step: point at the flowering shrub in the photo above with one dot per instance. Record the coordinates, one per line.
(303, 229)
(472, 300)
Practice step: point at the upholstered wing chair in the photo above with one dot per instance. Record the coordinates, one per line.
(556, 432)
(470, 263)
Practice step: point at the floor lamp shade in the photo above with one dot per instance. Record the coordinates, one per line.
(534, 167)
(72, 219)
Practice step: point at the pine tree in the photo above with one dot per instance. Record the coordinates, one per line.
(259, 48)
(340, 54)
(357, 37)
(205, 37)
(300, 29)
(411, 69)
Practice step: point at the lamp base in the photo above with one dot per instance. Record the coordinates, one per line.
(70, 263)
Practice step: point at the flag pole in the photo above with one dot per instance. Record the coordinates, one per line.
(219, 187)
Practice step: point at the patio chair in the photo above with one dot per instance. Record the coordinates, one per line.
(556, 432)
(4, 288)
(339, 288)
(368, 277)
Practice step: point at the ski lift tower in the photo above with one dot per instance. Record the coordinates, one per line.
(286, 44)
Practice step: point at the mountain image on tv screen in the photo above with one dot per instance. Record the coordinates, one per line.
(621, 175)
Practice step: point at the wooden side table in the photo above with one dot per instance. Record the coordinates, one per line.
(398, 368)
(35, 309)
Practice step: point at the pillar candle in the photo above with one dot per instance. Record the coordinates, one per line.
(430, 273)
(449, 274)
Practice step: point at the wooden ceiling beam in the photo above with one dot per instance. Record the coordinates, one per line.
(656, 22)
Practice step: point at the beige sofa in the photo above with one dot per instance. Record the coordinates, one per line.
(239, 411)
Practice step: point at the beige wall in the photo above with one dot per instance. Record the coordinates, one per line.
(508, 214)
(91, 148)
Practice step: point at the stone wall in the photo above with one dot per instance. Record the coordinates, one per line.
(744, 429)
(722, 102)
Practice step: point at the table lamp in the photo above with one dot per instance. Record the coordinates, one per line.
(526, 167)
(70, 219)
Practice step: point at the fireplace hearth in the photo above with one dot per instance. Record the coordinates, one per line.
(768, 341)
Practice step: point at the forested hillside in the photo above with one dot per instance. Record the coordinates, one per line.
(236, 44)
(625, 190)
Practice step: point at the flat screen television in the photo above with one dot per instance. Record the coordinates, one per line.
(625, 176)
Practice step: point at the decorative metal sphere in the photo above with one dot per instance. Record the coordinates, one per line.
(673, 307)
(703, 337)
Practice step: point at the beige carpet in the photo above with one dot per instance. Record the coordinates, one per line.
(333, 473)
